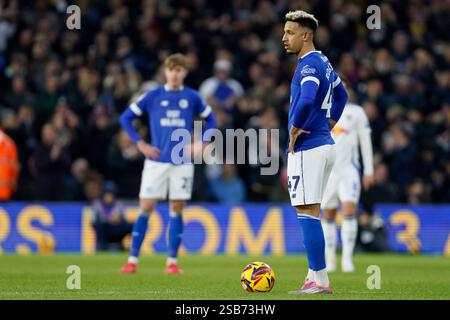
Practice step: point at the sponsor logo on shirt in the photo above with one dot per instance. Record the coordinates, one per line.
(308, 70)
(172, 119)
(169, 122)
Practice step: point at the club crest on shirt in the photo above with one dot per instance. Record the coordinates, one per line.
(164, 103)
(183, 103)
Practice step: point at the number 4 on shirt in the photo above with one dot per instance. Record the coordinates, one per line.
(326, 104)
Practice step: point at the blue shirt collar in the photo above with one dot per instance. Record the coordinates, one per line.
(166, 87)
(312, 51)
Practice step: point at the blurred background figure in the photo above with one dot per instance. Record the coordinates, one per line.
(260, 186)
(75, 183)
(92, 186)
(108, 219)
(9, 167)
(49, 164)
(221, 88)
(228, 188)
(123, 160)
(383, 191)
(372, 233)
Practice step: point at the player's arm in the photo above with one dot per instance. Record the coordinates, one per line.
(205, 112)
(210, 123)
(309, 87)
(340, 98)
(134, 111)
(365, 143)
(126, 121)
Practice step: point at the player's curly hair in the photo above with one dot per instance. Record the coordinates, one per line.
(303, 18)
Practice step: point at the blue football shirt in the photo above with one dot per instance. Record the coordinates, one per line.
(313, 66)
(168, 111)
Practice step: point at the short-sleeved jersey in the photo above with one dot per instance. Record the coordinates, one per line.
(314, 66)
(168, 111)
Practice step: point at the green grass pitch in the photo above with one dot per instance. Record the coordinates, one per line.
(217, 277)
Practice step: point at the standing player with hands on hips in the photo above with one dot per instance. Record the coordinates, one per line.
(169, 107)
(317, 102)
(344, 186)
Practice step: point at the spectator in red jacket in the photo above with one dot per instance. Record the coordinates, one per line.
(9, 167)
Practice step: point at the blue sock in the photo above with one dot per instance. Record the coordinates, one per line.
(138, 234)
(314, 241)
(175, 234)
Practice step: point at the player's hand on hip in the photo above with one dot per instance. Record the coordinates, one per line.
(368, 182)
(294, 133)
(148, 150)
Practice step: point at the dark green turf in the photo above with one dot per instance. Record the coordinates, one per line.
(44, 277)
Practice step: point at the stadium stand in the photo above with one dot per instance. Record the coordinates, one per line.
(63, 90)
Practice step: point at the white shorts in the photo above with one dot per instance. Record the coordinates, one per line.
(343, 186)
(308, 172)
(159, 178)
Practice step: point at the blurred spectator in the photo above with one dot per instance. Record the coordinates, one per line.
(93, 185)
(265, 153)
(200, 187)
(418, 193)
(247, 108)
(376, 121)
(228, 189)
(99, 135)
(401, 155)
(19, 95)
(69, 127)
(372, 234)
(124, 162)
(75, 183)
(49, 163)
(383, 191)
(22, 128)
(9, 167)
(400, 47)
(347, 67)
(108, 219)
(223, 89)
(47, 98)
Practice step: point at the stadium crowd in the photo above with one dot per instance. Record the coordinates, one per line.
(63, 90)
